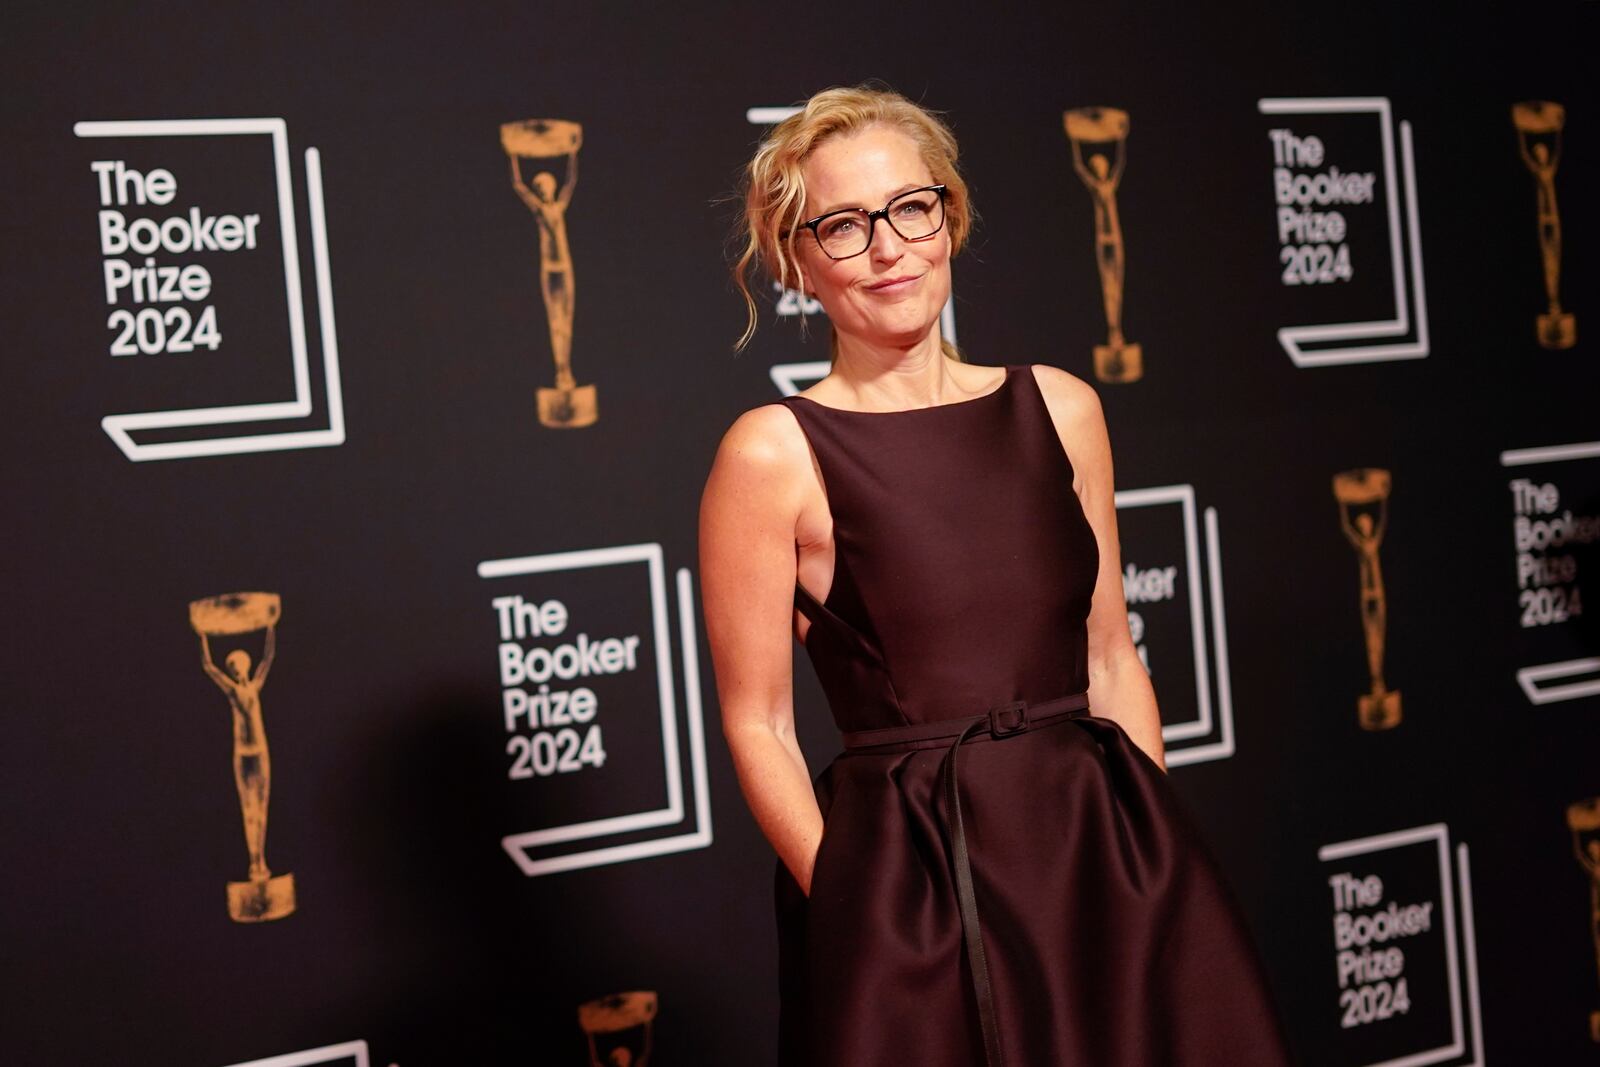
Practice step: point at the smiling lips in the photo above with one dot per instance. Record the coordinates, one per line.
(893, 285)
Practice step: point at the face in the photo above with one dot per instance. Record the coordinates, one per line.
(893, 292)
(238, 664)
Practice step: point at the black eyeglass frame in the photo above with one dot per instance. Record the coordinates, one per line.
(872, 221)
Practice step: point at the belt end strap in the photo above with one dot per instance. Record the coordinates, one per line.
(977, 961)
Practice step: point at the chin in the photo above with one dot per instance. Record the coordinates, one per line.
(890, 335)
(898, 324)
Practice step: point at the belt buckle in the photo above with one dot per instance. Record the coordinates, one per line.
(1007, 719)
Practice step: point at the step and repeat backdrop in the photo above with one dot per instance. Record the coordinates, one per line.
(358, 707)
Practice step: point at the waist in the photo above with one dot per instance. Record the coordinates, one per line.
(1003, 720)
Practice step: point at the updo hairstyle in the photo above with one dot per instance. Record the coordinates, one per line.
(772, 189)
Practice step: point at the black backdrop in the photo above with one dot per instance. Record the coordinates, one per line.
(416, 938)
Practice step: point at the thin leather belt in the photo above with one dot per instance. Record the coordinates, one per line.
(1004, 720)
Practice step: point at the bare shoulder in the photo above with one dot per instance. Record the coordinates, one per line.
(1071, 400)
(763, 436)
(1074, 407)
(764, 451)
(751, 513)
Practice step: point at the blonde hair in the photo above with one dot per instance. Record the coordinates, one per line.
(772, 189)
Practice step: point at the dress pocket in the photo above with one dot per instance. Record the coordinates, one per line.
(816, 864)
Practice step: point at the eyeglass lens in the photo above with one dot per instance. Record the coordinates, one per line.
(913, 215)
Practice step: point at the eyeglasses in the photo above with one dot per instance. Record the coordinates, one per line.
(915, 216)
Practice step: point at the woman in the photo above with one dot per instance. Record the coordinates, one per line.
(991, 872)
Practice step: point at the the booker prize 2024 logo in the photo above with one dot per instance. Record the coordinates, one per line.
(200, 274)
(589, 709)
(1404, 980)
(1553, 498)
(787, 374)
(1347, 231)
(1173, 586)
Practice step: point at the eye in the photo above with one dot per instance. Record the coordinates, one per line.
(839, 226)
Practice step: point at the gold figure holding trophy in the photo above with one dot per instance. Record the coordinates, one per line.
(618, 1028)
(1583, 819)
(1538, 124)
(1116, 360)
(262, 896)
(1379, 709)
(540, 142)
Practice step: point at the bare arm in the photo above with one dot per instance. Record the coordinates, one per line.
(267, 653)
(748, 514)
(1349, 531)
(565, 196)
(1082, 168)
(1527, 157)
(521, 186)
(1119, 686)
(212, 670)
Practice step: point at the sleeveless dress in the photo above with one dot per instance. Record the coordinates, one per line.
(1004, 876)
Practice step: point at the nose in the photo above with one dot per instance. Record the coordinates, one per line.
(885, 245)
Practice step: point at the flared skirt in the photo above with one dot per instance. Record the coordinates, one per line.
(1111, 938)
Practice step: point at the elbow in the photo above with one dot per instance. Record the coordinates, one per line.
(747, 728)
(1118, 659)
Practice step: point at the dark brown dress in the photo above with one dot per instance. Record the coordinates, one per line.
(1063, 910)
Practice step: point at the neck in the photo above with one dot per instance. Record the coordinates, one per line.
(915, 374)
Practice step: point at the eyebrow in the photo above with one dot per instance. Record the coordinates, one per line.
(906, 188)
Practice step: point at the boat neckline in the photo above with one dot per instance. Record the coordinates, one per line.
(1005, 382)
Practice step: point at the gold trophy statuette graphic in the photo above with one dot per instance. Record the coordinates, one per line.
(1379, 709)
(539, 144)
(1583, 819)
(618, 1028)
(262, 896)
(1107, 128)
(1538, 124)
